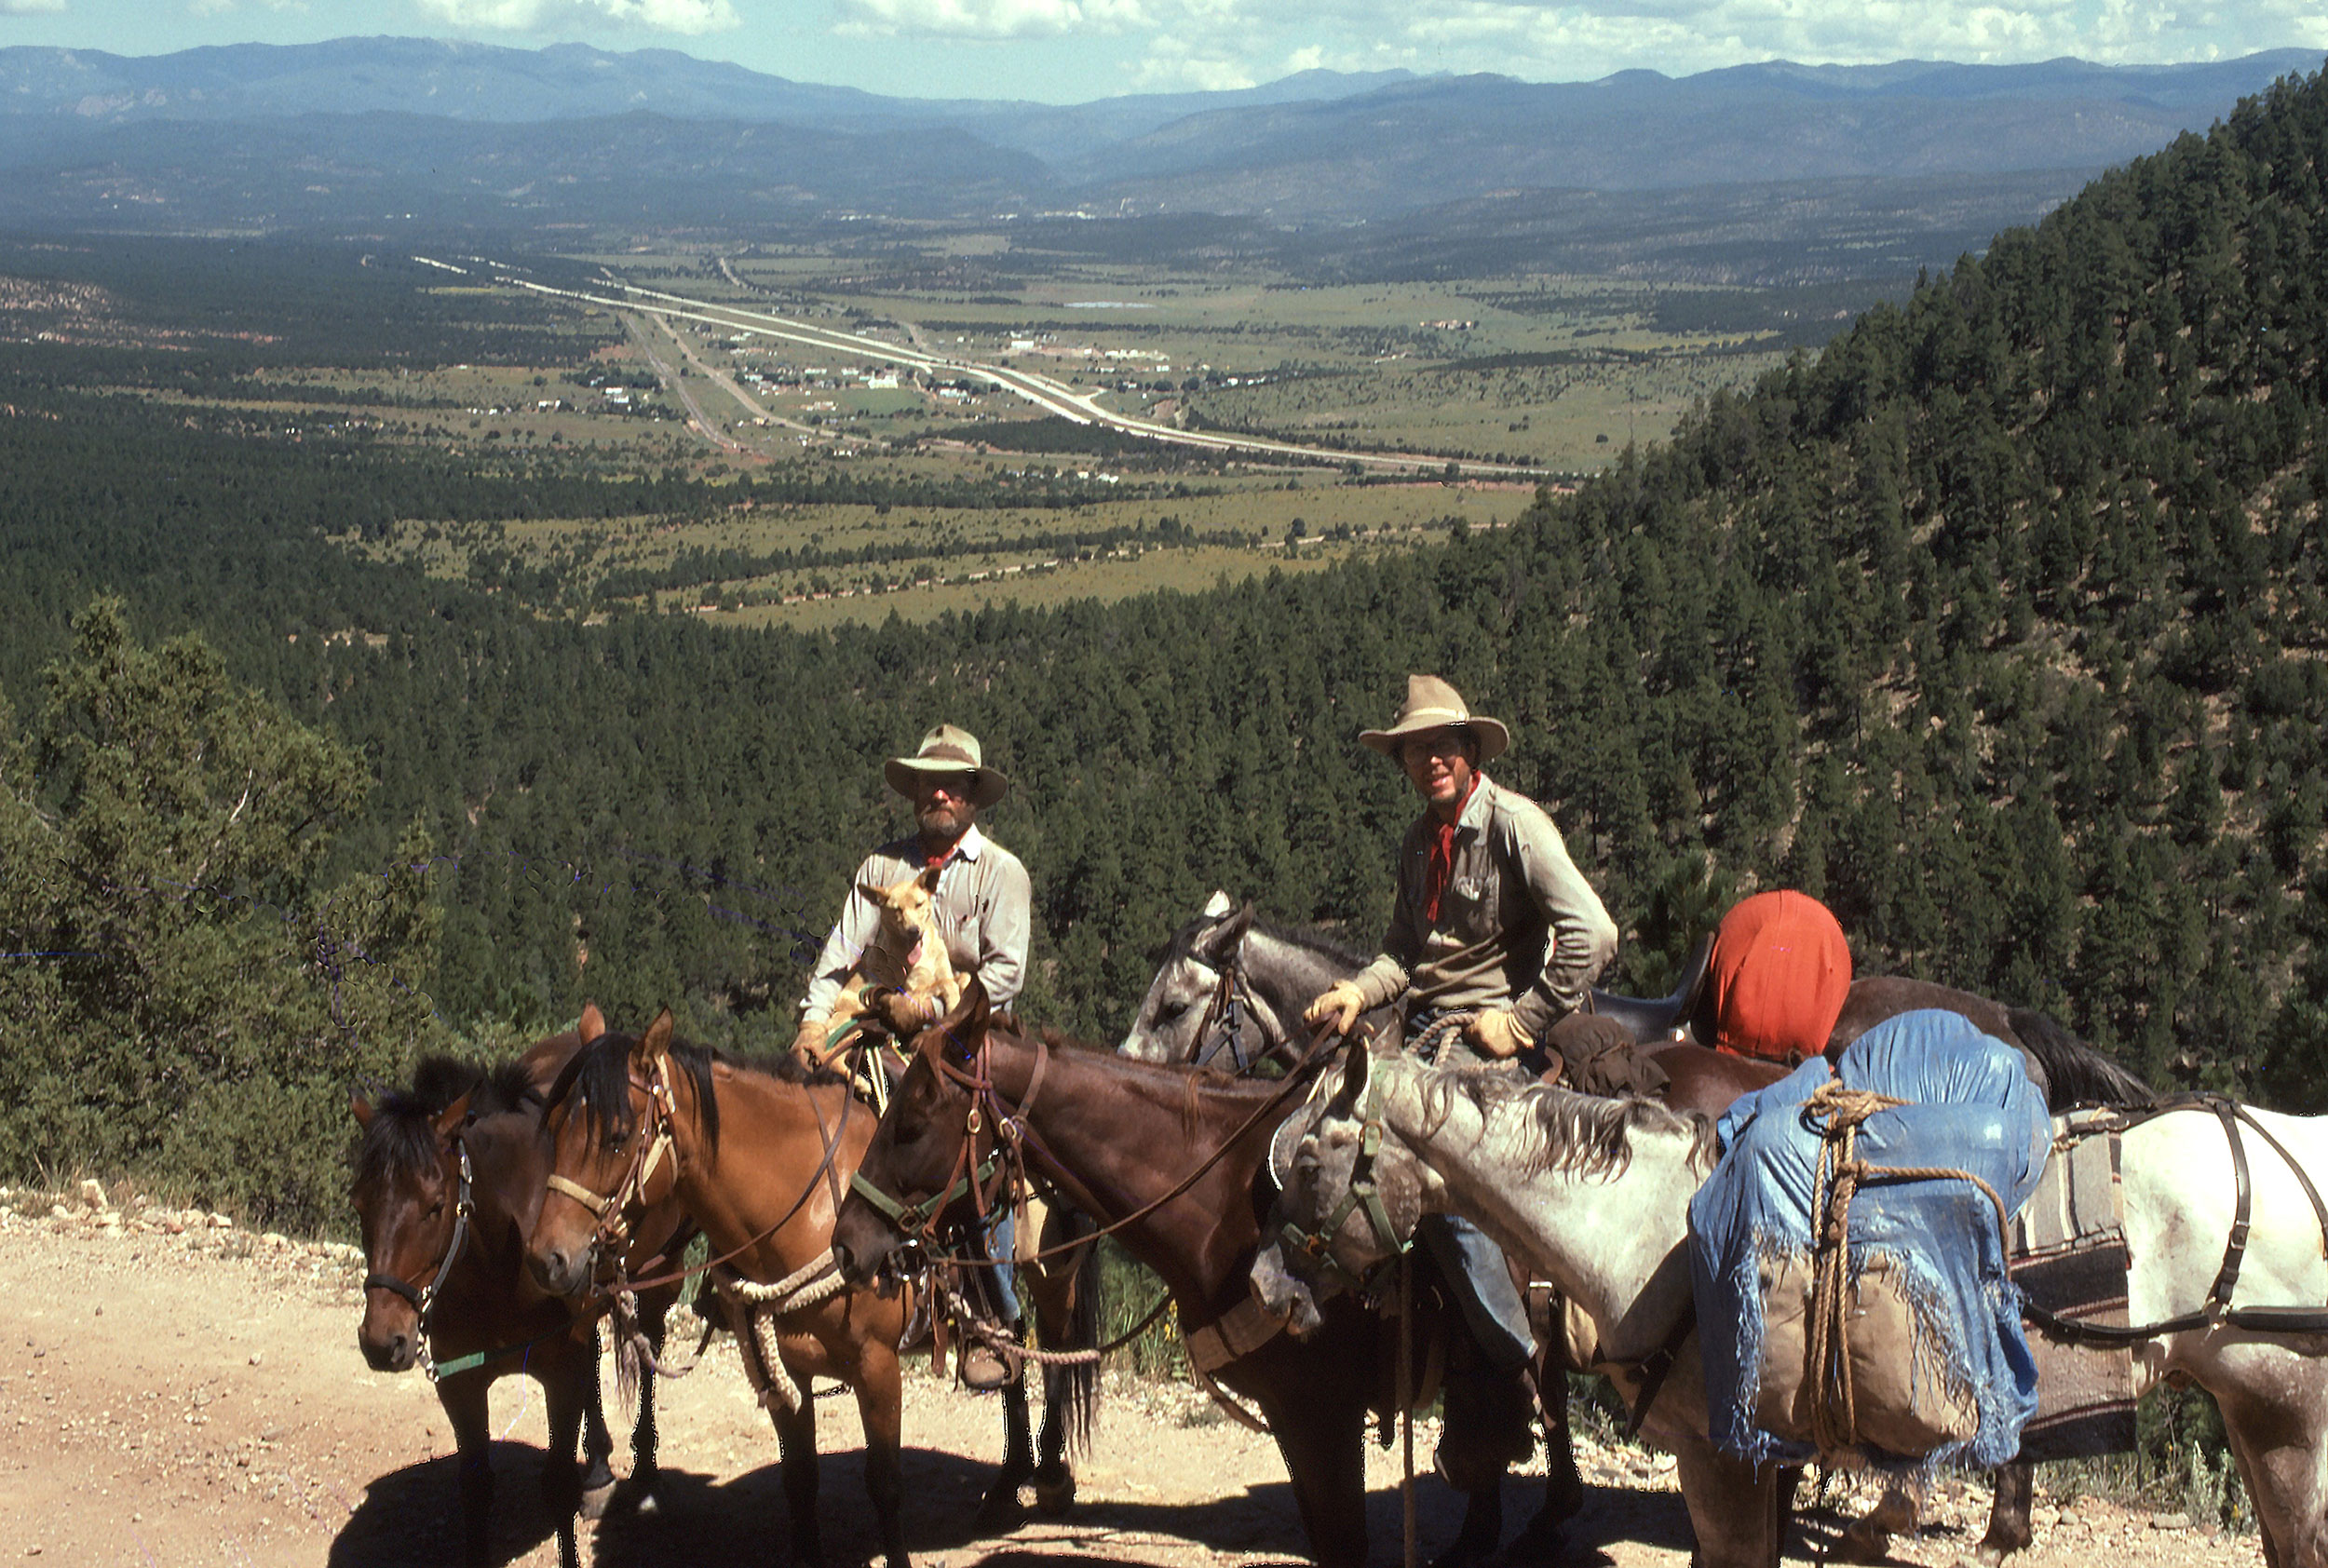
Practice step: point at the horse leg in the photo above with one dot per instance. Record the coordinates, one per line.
(2276, 1423)
(569, 1387)
(1733, 1509)
(464, 1401)
(797, 1450)
(1868, 1538)
(880, 1407)
(1322, 1439)
(643, 1463)
(998, 1511)
(2008, 1529)
(1066, 1315)
(598, 1444)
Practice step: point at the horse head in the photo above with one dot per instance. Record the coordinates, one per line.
(1348, 1194)
(411, 1196)
(619, 1119)
(917, 1173)
(1182, 1000)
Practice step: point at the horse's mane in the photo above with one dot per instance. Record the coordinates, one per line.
(2077, 1072)
(599, 1072)
(402, 1140)
(1306, 937)
(1575, 1134)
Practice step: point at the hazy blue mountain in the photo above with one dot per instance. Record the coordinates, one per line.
(1433, 139)
(355, 128)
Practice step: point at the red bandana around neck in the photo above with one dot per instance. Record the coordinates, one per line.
(1442, 858)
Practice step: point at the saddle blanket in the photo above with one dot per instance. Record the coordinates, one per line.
(1930, 1331)
(2068, 1256)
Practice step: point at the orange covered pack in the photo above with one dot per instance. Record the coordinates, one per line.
(1779, 972)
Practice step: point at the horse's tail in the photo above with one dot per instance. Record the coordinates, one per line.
(2077, 1072)
(1077, 1401)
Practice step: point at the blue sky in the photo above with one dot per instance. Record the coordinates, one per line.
(1070, 51)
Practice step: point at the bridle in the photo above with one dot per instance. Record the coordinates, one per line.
(970, 1177)
(611, 1238)
(423, 1298)
(1316, 1243)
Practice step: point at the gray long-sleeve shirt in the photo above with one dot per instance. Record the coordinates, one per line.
(1518, 924)
(985, 905)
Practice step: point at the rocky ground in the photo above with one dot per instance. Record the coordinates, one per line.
(174, 1391)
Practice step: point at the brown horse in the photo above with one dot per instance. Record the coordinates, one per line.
(1093, 1125)
(448, 1174)
(759, 1158)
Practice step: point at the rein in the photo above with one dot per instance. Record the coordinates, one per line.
(423, 1299)
(1316, 1243)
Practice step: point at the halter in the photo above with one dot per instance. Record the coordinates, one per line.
(1230, 1002)
(1316, 1243)
(423, 1298)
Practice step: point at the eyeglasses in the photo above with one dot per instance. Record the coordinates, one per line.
(958, 785)
(1443, 743)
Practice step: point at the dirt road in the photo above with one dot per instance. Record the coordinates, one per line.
(175, 1391)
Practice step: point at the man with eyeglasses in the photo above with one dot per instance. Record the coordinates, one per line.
(1493, 938)
(984, 906)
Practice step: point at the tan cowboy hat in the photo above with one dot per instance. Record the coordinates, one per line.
(948, 749)
(1431, 704)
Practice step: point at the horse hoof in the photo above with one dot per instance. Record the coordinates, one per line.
(1991, 1555)
(596, 1500)
(646, 1505)
(1540, 1540)
(1053, 1499)
(999, 1513)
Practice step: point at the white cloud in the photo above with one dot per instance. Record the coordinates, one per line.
(29, 8)
(546, 15)
(1171, 65)
(990, 18)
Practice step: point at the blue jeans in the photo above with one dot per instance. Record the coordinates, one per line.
(1002, 1231)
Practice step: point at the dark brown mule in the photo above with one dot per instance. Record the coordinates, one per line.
(1095, 1127)
(448, 1175)
(759, 1159)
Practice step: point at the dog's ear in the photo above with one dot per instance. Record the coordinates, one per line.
(928, 879)
(876, 896)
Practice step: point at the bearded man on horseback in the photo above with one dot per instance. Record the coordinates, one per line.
(1494, 939)
(983, 908)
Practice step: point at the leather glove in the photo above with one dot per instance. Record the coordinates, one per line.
(906, 1012)
(1339, 1002)
(1498, 1033)
(809, 1044)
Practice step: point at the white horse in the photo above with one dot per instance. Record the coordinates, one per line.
(1595, 1194)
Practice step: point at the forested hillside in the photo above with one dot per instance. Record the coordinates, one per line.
(1998, 625)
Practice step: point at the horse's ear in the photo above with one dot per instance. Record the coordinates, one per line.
(1217, 905)
(655, 1044)
(358, 1107)
(966, 1026)
(594, 1022)
(1220, 943)
(450, 1119)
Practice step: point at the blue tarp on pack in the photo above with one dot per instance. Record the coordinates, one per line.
(1935, 1243)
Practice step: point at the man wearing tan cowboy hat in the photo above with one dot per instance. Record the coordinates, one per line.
(984, 902)
(984, 906)
(1492, 924)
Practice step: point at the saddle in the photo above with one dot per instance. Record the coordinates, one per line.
(1653, 1020)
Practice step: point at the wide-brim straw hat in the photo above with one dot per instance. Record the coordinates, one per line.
(1431, 704)
(948, 749)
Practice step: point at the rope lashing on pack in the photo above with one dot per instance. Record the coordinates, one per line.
(1833, 1407)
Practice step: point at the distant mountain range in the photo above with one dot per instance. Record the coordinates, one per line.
(366, 131)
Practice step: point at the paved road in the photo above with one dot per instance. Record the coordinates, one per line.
(1047, 393)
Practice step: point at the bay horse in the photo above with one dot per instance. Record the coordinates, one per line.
(759, 1158)
(1231, 990)
(1596, 1193)
(447, 1176)
(1093, 1125)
